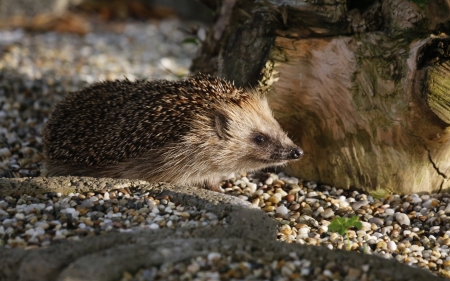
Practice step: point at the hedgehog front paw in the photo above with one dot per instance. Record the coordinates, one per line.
(214, 186)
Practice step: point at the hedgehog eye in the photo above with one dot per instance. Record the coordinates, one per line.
(260, 139)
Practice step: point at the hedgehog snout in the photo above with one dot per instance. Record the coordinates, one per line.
(287, 153)
(295, 153)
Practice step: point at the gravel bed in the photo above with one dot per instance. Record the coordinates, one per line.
(414, 229)
(31, 222)
(216, 266)
(37, 70)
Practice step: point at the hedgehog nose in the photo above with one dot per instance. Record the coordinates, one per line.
(295, 153)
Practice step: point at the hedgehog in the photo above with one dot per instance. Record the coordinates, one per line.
(187, 132)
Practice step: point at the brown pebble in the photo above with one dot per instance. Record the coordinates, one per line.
(140, 219)
(300, 225)
(83, 211)
(123, 190)
(269, 208)
(381, 245)
(286, 231)
(274, 199)
(290, 198)
(88, 222)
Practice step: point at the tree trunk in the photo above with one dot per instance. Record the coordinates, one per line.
(363, 86)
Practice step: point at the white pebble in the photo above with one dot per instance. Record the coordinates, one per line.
(154, 226)
(19, 216)
(269, 181)
(328, 273)
(240, 183)
(386, 230)
(435, 229)
(366, 226)
(416, 248)
(304, 230)
(282, 210)
(213, 256)
(447, 209)
(304, 271)
(243, 197)
(252, 187)
(343, 204)
(402, 218)
(312, 194)
(70, 210)
(389, 212)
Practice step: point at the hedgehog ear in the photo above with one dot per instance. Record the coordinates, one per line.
(221, 124)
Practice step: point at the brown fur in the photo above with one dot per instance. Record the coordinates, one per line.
(187, 132)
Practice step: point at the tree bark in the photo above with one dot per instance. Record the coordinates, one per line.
(362, 86)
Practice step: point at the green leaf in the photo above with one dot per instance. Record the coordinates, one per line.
(357, 225)
(338, 225)
(341, 225)
(379, 193)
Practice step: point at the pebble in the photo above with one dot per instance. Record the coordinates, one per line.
(327, 213)
(389, 212)
(282, 210)
(357, 205)
(391, 246)
(402, 218)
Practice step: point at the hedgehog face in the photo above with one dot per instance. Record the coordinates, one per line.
(274, 151)
(250, 131)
